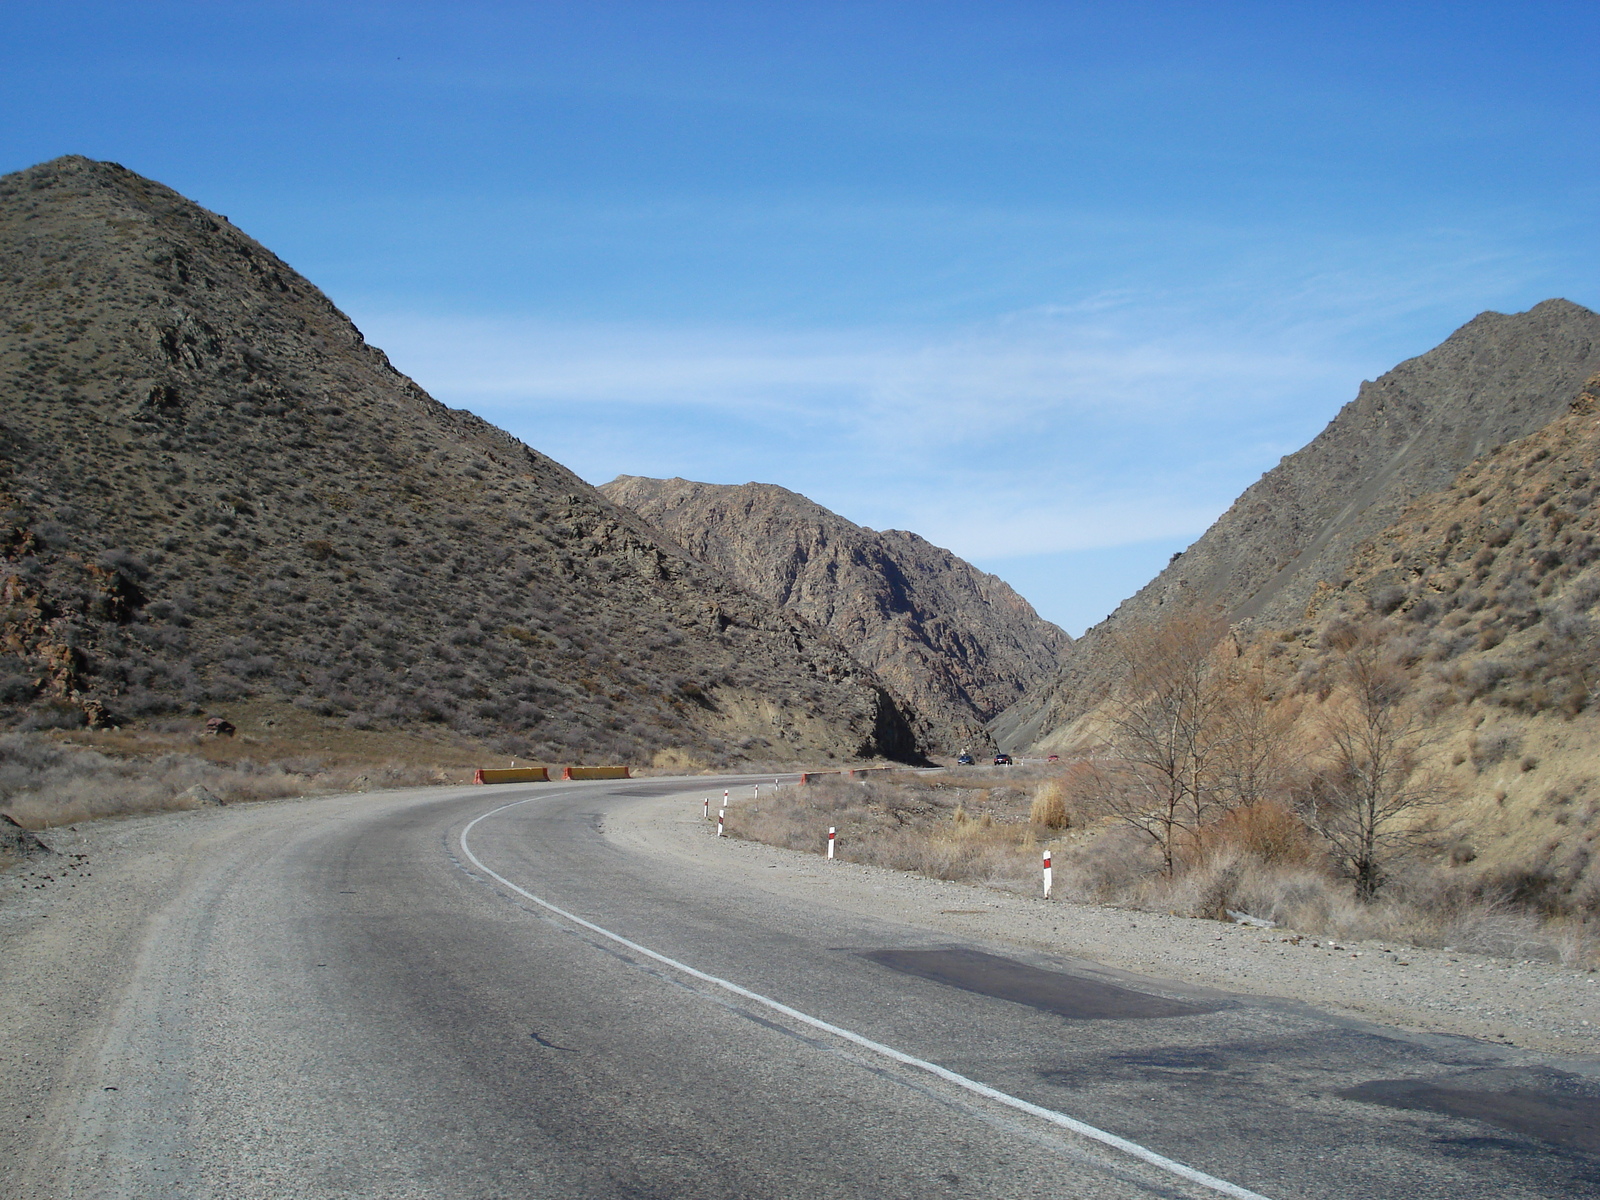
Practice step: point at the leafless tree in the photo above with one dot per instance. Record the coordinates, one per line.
(1164, 732)
(1254, 756)
(1370, 785)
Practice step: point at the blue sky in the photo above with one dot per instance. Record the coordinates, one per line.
(1046, 283)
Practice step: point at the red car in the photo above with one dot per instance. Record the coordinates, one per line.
(1002, 760)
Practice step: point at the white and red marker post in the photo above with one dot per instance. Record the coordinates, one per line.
(721, 812)
(708, 808)
(1047, 873)
(831, 832)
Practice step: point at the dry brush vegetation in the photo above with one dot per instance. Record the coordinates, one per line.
(1220, 782)
(55, 778)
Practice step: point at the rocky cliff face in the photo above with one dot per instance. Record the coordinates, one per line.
(957, 643)
(1293, 533)
(212, 488)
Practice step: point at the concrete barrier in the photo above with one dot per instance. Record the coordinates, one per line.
(511, 775)
(595, 773)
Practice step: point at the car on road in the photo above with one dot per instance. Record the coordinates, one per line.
(1002, 760)
(964, 759)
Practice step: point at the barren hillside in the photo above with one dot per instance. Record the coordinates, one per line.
(957, 643)
(1496, 378)
(214, 490)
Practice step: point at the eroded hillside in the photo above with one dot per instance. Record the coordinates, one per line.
(1484, 592)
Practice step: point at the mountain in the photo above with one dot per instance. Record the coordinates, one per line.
(1486, 586)
(957, 643)
(212, 489)
(1292, 534)
(1483, 593)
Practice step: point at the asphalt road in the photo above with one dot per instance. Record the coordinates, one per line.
(341, 999)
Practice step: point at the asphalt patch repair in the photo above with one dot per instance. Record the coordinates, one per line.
(1564, 1120)
(1049, 991)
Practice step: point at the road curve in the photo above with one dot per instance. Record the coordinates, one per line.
(339, 997)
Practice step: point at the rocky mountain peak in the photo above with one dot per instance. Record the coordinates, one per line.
(954, 641)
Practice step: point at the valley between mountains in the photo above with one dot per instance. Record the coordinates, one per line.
(1322, 797)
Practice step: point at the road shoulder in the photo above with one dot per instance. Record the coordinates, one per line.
(1530, 1006)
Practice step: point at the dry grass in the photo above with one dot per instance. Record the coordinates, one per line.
(984, 827)
(959, 825)
(58, 778)
(1049, 807)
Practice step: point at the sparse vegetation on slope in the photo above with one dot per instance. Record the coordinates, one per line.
(211, 490)
(1291, 534)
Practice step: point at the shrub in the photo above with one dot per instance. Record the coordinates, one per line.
(1268, 831)
(54, 716)
(1485, 675)
(1049, 807)
(1494, 746)
(1386, 600)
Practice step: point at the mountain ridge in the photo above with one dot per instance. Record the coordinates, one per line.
(1498, 377)
(956, 642)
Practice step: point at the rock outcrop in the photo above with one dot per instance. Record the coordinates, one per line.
(955, 642)
(215, 489)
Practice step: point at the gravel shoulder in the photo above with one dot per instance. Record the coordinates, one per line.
(1533, 1006)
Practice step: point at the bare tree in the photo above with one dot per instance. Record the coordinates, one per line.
(1363, 799)
(1254, 756)
(1163, 732)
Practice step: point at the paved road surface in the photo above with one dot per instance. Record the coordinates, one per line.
(338, 999)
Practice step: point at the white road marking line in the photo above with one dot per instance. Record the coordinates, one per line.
(1134, 1149)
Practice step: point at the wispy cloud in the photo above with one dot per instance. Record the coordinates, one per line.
(1129, 413)
(1047, 430)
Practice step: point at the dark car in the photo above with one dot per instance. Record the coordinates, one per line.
(1002, 760)
(964, 759)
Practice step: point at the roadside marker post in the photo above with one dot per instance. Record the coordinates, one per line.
(755, 792)
(721, 812)
(708, 808)
(831, 830)
(1047, 873)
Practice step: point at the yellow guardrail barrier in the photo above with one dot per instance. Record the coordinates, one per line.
(511, 775)
(595, 773)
